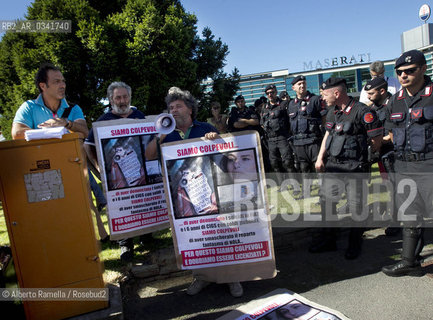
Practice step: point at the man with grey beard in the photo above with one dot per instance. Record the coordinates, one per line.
(119, 96)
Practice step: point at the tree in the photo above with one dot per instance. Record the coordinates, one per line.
(223, 88)
(149, 44)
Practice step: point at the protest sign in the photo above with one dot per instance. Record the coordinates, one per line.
(283, 304)
(217, 206)
(132, 186)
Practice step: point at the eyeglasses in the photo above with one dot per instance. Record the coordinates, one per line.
(270, 92)
(407, 71)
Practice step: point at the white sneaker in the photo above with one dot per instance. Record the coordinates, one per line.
(236, 289)
(196, 286)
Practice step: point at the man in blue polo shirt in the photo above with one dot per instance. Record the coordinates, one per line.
(50, 108)
(183, 107)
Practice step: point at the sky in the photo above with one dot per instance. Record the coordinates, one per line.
(287, 34)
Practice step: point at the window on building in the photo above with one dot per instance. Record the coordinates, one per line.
(313, 84)
(349, 75)
(365, 76)
(389, 71)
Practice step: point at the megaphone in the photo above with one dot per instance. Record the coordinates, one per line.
(165, 123)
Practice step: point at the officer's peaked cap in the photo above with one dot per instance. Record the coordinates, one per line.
(283, 94)
(410, 57)
(375, 83)
(270, 87)
(239, 97)
(333, 82)
(298, 78)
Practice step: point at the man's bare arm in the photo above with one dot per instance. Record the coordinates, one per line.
(18, 130)
(242, 123)
(79, 126)
(151, 152)
(320, 165)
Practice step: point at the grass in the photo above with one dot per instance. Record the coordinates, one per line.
(283, 201)
(115, 269)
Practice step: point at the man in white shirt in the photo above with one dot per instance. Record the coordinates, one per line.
(377, 69)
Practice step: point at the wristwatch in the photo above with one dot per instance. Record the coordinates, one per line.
(68, 124)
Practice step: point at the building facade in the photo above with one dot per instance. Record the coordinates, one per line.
(252, 86)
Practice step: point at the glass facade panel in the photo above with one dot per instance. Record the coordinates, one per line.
(365, 76)
(349, 75)
(389, 71)
(312, 85)
(429, 58)
(252, 86)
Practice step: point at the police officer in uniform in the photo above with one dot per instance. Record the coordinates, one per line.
(350, 126)
(377, 92)
(274, 120)
(242, 118)
(305, 113)
(410, 121)
(284, 96)
(259, 104)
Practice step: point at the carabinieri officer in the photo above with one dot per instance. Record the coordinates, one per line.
(410, 121)
(350, 127)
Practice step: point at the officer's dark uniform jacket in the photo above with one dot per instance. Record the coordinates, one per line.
(381, 112)
(306, 119)
(236, 114)
(274, 119)
(349, 131)
(411, 121)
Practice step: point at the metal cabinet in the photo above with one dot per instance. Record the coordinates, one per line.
(45, 198)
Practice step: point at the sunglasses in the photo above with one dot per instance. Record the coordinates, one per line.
(406, 71)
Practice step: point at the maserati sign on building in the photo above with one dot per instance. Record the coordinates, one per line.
(337, 62)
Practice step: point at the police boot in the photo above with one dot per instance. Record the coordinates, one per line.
(324, 240)
(392, 231)
(412, 246)
(355, 243)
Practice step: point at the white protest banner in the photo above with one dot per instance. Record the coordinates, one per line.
(133, 186)
(283, 304)
(217, 203)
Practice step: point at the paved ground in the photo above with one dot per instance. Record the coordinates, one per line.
(356, 288)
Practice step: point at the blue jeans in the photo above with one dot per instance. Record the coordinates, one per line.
(97, 191)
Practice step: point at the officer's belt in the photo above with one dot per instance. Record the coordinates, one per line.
(275, 138)
(413, 156)
(301, 136)
(341, 160)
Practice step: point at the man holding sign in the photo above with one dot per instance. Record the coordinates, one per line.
(119, 95)
(183, 106)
